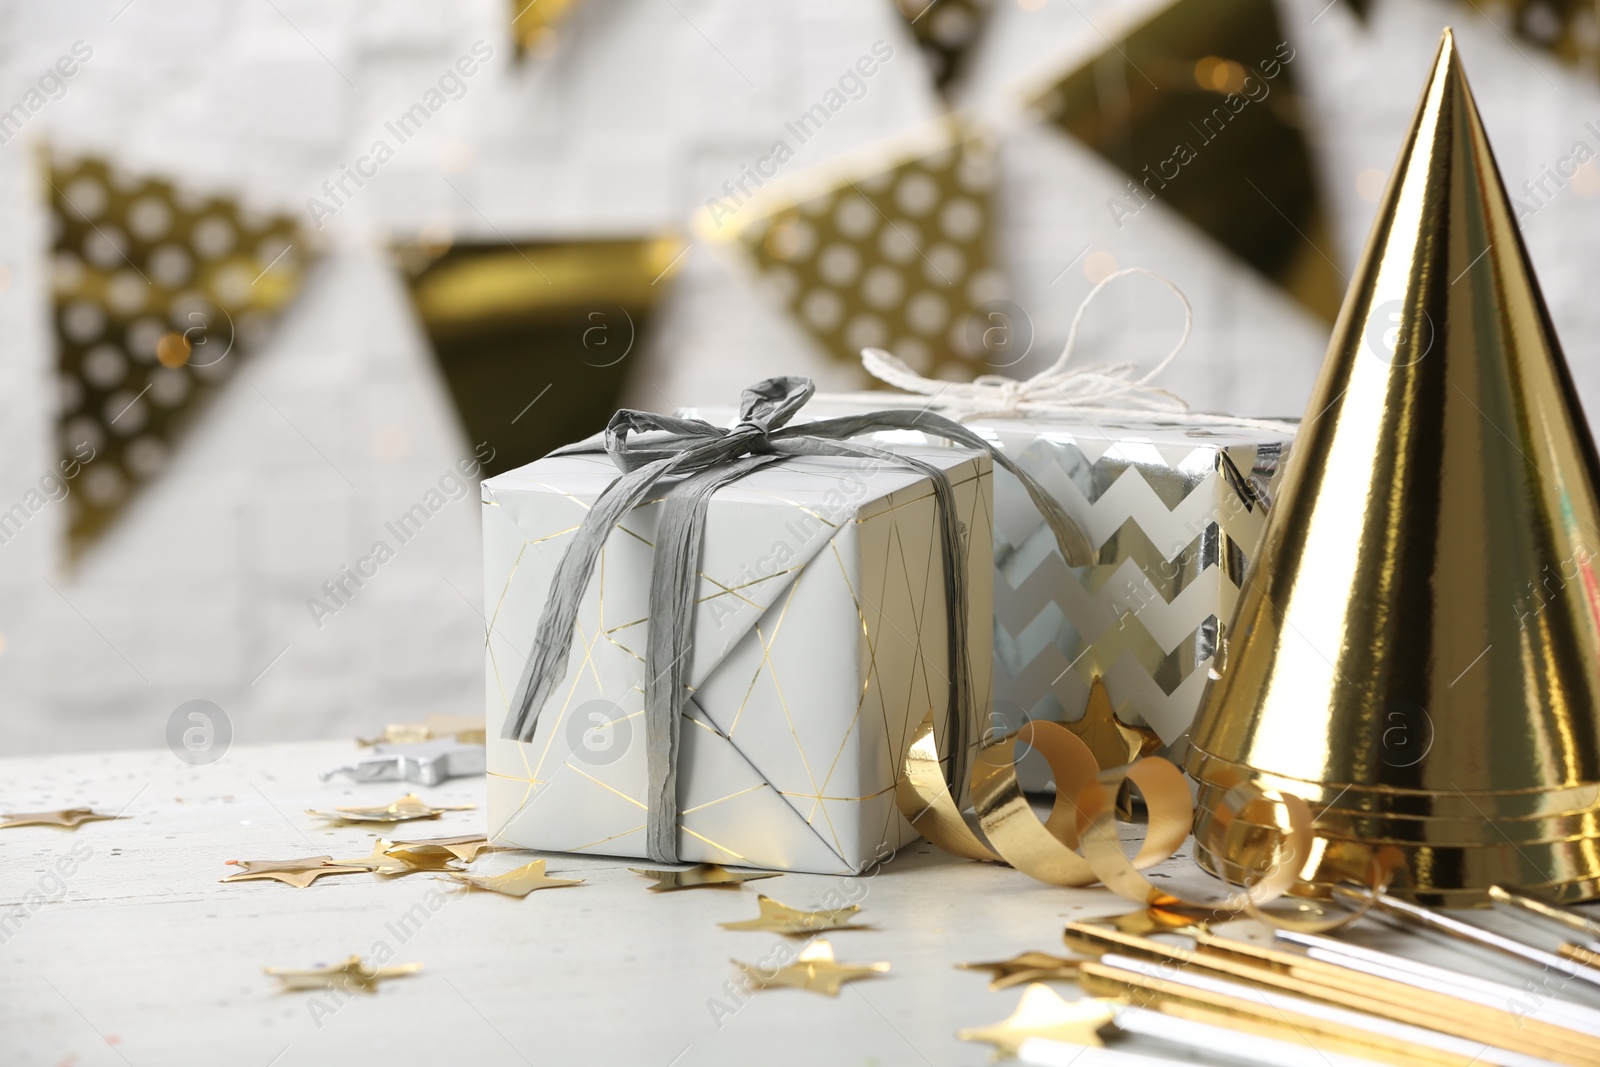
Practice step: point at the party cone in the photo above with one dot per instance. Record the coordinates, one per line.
(1420, 632)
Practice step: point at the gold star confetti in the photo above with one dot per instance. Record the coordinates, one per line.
(1147, 921)
(515, 883)
(700, 876)
(781, 919)
(1041, 1013)
(405, 809)
(467, 729)
(814, 969)
(1027, 967)
(388, 859)
(466, 847)
(298, 873)
(1112, 742)
(420, 861)
(352, 974)
(70, 818)
(379, 862)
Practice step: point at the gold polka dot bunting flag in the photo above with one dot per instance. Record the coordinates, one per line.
(158, 294)
(889, 248)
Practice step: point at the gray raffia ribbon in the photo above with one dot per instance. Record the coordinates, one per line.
(648, 447)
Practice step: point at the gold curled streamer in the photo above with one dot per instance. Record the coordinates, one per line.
(1047, 850)
(1171, 815)
(924, 799)
(1249, 812)
(1044, 850)
(1244, 813)
(1273, 830)
(1245, 810)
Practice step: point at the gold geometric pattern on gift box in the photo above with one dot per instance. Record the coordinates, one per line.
(158, 294)
(946, 30)
(1198, 108)
(886, 585)
(890, 249)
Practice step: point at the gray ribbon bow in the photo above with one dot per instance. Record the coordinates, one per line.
(707, 458)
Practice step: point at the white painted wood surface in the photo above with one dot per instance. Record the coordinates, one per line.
(144, 959)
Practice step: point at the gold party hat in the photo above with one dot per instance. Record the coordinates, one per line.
(1422, 623)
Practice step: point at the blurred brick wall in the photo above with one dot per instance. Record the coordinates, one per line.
(639, 116)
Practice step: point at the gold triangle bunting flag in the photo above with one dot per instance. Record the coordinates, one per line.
(535, 25)
(158, 294)
(1198, 107)
(889, 248)
(534, 339)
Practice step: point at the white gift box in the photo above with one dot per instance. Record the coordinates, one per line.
(820, 643)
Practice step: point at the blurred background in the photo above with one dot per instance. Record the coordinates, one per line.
(281, 279)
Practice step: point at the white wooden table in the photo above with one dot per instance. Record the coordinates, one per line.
(144, 959)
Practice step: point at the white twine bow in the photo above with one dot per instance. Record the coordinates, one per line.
(1099, 390)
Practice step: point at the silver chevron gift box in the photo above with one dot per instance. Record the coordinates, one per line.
(1174, 514)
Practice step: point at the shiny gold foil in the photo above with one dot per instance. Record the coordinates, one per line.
(1524, 804)
(1334, 824)
(1257, 966)
(1420, 632)
(1246, 1013)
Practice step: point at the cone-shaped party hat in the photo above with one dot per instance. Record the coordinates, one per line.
(1417, 649)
